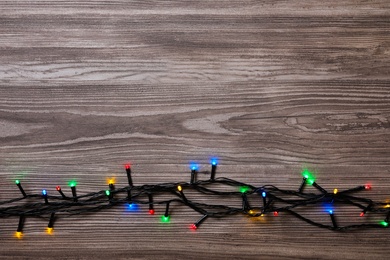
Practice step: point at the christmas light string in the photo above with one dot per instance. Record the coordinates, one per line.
(269, 200)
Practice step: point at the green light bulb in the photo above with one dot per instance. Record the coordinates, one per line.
(165, 219)
(306, 173)
(17, 182)
(308, 176)
(108, 192)
(244, 189)
(72, 183)
(384, 223)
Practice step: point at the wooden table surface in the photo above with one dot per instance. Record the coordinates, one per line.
(269, 87)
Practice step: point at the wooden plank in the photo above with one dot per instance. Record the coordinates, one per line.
(267, 86)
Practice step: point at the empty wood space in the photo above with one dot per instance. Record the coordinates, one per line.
(270, 87)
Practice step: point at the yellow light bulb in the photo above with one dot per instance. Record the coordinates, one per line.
(387, 206)
(335, 191)
(19, 235)
(251, 212)
(179, 188)
(49, 231)
(110, 180)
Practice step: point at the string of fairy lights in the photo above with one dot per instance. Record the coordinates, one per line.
(269, 200)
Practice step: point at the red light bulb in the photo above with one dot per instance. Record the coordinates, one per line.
(193, 227)
(127, 166)
(58, 188)
(276, 213)
(361, 214)
(151, 211)
(367, 187)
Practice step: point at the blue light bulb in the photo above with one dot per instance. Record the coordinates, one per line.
(194, 167)
(264, 194)
(133, 207)
(44, 192)
(214, 161)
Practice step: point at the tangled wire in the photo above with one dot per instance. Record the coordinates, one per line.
(272, 200)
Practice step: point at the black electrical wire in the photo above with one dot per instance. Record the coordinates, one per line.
(270, 198)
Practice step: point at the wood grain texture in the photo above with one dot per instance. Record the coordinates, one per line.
(268, 86)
